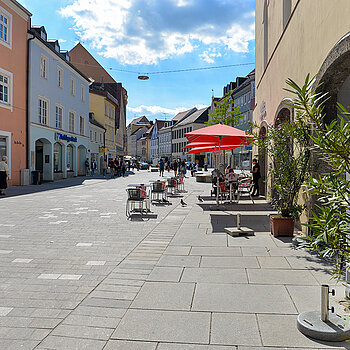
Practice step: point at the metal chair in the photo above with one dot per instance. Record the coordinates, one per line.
(171, 185)
(135, 199)
(223, 191)
(158, 189)
(181, 183)
(244, 186)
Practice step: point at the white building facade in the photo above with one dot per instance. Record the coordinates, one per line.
(58, 106)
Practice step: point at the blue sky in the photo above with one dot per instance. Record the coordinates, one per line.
(157, 35)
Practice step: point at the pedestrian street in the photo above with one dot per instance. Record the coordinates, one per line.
(76, 273)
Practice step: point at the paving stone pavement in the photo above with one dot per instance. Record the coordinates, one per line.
(75, 274)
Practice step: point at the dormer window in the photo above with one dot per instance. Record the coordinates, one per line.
(43, 35)
(57, 48)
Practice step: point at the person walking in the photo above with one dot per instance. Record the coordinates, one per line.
(175, 166)
(93, 167)
(111, 165)
(87, 167)
(4, 169)
(161, 167)
(256, 176)
(123, 169)
(116, 167)
(104, 167)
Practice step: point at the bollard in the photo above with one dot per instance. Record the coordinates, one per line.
(239, 221)
(324, 303)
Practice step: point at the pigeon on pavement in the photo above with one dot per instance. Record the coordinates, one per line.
(183, 203)
(200, 199)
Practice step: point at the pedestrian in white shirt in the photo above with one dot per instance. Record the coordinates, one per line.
(4, 168)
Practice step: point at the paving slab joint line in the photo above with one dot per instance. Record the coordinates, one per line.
(257, 322)
(116, 267)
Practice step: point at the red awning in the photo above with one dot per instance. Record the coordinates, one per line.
(208, 148)
(219, 133)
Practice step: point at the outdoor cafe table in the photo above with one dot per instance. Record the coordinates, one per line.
(148, 196)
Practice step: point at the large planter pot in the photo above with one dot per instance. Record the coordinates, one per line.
(281, 226)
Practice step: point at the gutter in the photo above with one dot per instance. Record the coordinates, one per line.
(27, 105)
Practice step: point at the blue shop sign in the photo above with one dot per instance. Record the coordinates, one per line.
(61, 137)
(248, 148)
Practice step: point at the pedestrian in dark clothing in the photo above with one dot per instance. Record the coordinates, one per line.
(117, 167)
(123, 169)
(161, 167)
(256, 176)
(175, 166)
(111, 165)
(93, 167)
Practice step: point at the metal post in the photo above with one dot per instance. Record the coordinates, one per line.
(239, 221)
(324, 303)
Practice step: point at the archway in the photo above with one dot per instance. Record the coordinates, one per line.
(333, 77)
(43, 159)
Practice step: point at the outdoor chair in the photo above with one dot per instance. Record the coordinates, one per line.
(172, 185)
(136, 201)
(223, 191)
(180, 183)
(158, 191)
(244, 187)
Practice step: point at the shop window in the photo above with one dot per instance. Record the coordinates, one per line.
(57, 158)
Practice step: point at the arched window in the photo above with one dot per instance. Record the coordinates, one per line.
(57, 157)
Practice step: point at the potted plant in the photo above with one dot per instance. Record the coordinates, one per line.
(287, 144)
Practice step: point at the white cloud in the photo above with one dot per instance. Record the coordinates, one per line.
(144, 32)
(61, 41)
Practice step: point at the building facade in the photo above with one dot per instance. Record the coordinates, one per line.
(103, 105)
(97, 141)
(87, 64)
(58, 108)
(244, 98)
(158, 125)
(135, 124)
(294, 38)
(165, 134)
(14, 24)
(192, 122)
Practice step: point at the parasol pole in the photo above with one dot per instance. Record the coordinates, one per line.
(217, 188)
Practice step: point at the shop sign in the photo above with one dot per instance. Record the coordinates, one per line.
(64, 137)
(102, 150)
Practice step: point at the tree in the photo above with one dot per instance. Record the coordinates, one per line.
(225, 112)
(330, 221)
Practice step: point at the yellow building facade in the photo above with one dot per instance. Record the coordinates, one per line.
(294, 38)
(103, 105)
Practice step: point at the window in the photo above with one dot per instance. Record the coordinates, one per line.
(90, 135)
(4, 89)
(82, 93)
(106, 108)
(59, 117)
(5, 28)
(71, 121)
(100, 138)
(43, 111)
(95, 136)
(82, 125)
(72, 86)
(60, 77)
(43, 66)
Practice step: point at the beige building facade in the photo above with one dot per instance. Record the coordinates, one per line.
(294, 38)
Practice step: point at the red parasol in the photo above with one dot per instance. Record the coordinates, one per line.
(211, 148)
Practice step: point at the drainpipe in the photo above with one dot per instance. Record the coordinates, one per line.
(27, 105)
